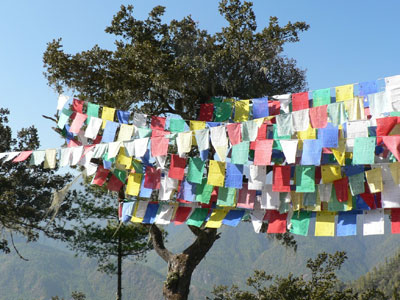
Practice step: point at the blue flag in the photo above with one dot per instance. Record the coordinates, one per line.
(329, 136)
(311, 153)
(233, 218)
(109, 132)
(123, 116)
(260, 108)
(347, 223)
(234, 176)
(151, 213)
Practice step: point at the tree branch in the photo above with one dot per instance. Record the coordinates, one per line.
(15, 248)
(158, 243)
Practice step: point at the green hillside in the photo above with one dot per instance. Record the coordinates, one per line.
(53, 271)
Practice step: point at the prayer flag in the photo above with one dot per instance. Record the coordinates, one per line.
(134, 183)
(125, 132)
(159, 146)
(276, 221)
(305, 179)
(197, 217)
(215, 220)
(177, 125)
(356, 183)
(187, 191)
(374, 179)
(336, 113)
(289, 148)
(393, 144)
(234, 133)
(347, 223)
(152, 178)
(341, 188)
(216, 173)
(114, 184)
(367, 87)
(139, 120)
(240, 153)
(93, 127)
(330, 173)
(321, 97)
(301, 120)
(203, 139)
(281, 179)
(344, 92)
(242, 109)
(373, 222)
(206, 111)
(203, 192)
(196, 170)
(92, 111)
(269, 199)
(319, 116)
(263, 152)
(246, 197)
(182, 214)
(329, 136)
(222, 111)
(250, 130)
(395, 220)
(151, 213)
(226, 196)
(234, 176)
(109, 132)
(364, 150)
(284, 124)
(233, 217)
(300, 101)
(300, 222)
(107, 115)
(177, 167)
(123, 116)
(157, 123)
(184, 142)
(22, 156)
(50, 159)
(260, 108)
(311, 152)
(77, 123)
(257, 178)
(62, 99)
(325, 224)
(77, 105)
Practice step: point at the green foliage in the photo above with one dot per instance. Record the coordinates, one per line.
(318, 284)
(385, 277)
(26, 191)
(173, 67)
(74, 296)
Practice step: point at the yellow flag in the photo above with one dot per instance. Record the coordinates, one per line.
(344, 92)
(196, 125)
(340, 152)
(309, 134)
(325, 224)
(242, 109)
(216, 218)
(297, 200)
(134, 182)
(124, 160)
(135, 219)
(395, 170)
(107, 115)
(216, 173)
(374, 179)
(330, 173)
(349, 204)
(125, 132)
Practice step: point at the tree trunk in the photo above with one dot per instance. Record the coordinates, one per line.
(182, 265)
(119, 270)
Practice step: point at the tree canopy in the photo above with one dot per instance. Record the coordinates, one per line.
(26, 191)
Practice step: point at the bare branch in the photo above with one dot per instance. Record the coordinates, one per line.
(158, 243)
(15, 248)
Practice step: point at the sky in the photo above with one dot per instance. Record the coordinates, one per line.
(348, 42)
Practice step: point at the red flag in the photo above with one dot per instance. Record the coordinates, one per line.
(393, 144)
(246, 198)
(152, 178)
(281, 179)
(234, 133)
(182, 214)
(177, 167)
(206, 112)
(300, 101)
(274, 108)
(77, 123)
(319, 116)
(157, 123)
(101, 176)
(22, 156)
(114, 184)
(263, 152)
(341, 188)
(159, 146)
(77, 105)
(384, 126)
(276, 221)
(395, 220)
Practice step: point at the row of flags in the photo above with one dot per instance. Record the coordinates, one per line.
(333, 154)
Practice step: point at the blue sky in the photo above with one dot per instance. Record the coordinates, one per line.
(348, 42)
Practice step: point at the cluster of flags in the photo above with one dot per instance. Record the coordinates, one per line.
(331, 154)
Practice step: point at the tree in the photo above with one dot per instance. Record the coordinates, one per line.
(322, 284)
(26, 191)
(159, 68)
(99, 234)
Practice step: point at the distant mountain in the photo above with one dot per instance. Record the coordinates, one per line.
(52, 270)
